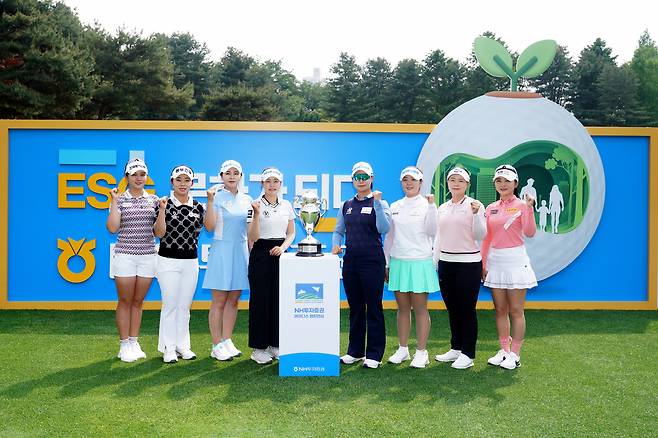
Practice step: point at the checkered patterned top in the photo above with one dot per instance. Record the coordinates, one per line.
(138, 215)
(184, 223)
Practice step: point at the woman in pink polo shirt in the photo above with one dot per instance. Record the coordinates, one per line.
(507, 269)
(461, 226)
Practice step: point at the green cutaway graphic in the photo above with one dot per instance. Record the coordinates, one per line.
(552, 166)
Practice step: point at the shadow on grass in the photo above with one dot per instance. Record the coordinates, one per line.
(241, 381)
(78, 381)
(246, 382)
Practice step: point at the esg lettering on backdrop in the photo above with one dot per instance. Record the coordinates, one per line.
(67, 189)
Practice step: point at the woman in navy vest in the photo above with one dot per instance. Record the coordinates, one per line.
(362, 220)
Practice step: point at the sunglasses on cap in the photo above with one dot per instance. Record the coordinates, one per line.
(361, 177)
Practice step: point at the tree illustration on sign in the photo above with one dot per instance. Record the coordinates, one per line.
(494, 58)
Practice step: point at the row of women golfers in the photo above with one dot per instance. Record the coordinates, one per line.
(459, 238)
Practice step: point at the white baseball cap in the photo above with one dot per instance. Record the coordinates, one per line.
(461, 172)
(135, 165)
(413, 172)
(226, 165)
(506, 171)
(362, 166)
(271, 172)
(182, 170)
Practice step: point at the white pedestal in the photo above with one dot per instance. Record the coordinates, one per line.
(309, 315)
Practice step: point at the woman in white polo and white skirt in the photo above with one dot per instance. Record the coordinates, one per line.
(178, 226)
(410, 272)
(272, 231)
(506, 266)
(132, 216)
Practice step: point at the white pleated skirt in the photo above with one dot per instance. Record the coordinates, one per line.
(509, 268)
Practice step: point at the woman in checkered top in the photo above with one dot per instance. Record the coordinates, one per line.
(132, 216)
(178, 226)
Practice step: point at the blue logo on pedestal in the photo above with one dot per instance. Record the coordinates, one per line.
(309, 364)
(309, 292)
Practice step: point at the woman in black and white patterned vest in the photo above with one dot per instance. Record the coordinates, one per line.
(178, 226)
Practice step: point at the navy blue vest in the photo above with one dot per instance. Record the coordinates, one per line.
(361, 233)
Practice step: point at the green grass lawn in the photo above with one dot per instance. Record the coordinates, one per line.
(584, 373)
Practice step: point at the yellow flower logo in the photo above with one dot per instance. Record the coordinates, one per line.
(72, 248)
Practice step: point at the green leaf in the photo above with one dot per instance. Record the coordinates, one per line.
(485, 51)
(536, 58)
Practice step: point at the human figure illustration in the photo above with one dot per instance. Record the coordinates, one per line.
(528, 189)
(543, 215)
(555, 206)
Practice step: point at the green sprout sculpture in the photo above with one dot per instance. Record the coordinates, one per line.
(496, 60)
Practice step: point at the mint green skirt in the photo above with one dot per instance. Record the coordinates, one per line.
(418, 276)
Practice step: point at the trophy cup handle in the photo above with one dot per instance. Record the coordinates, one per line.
(297, 205)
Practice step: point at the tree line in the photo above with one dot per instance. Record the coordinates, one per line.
(54, 67)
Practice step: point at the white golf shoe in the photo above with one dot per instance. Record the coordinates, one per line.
(449, 356)
(400, 355)
(349, 360)
(421, 359)
(497, 358)
(261, 356)
(462, 362)
(169, 355)
(511, 361)
(219, 352)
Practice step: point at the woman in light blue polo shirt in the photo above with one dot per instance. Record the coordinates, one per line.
(228, 258)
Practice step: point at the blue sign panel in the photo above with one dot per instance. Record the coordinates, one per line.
(59, 248)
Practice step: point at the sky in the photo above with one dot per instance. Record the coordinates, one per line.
(311, 34)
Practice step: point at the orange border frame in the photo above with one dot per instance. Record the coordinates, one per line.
(6, 125)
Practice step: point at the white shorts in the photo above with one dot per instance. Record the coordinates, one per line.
(128, 265)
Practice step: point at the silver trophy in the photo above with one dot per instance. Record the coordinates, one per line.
(309, 209)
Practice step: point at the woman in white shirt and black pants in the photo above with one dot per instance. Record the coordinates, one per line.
(272, 231)
(461, 226)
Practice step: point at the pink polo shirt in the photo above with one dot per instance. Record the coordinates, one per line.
(507, 223)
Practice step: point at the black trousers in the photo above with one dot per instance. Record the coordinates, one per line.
(460, 286)
(363, 279)
(264, 295)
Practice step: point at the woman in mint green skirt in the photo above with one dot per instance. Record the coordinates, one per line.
(410, 272)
